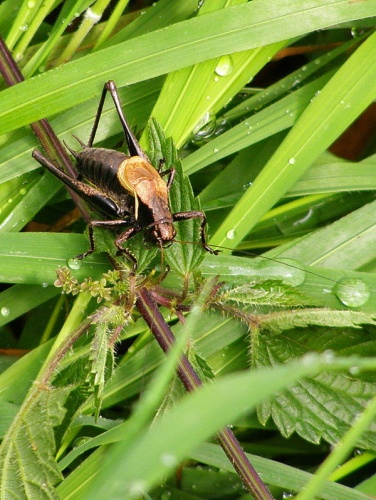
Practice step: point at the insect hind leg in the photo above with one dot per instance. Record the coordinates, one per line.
(133, 145)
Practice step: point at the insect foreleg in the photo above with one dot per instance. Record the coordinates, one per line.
(171, 173)
(179, 216)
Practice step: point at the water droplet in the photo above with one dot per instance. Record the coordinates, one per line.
(44, 285)
(137, 489)
(215, 150)
(288, 494)
(230, 235)
(22, 191)
(10, 200)
(328, 356)
(310, 359)
(224, 66)
(356, 32)
(80, 441)
(354, 370)
(352, 292)
(205, 128)
(74, 263)
(292, 160)
(5, 311)
(31, 4)
(23, 27)
(18, 56)
(169, 460)
(200, 3)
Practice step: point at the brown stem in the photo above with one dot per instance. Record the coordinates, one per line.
(226, 438)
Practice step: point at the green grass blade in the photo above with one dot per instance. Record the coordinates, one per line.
(246, 26)
(339, 103)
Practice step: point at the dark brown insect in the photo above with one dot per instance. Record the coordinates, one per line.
(125, 191)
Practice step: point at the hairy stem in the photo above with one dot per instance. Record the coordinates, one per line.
(226, 438)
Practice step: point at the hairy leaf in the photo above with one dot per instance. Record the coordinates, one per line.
(323, 407)
(27, 464)
(180, 256)
(286, 320)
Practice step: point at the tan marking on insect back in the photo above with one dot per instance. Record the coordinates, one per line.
(143, 181)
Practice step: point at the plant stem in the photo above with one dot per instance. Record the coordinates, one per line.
(226, 438)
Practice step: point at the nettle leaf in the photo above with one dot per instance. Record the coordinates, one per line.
(285, 320)
(265, 292)
(322, 407)
(101, 358)
(27, 464)
(182, 257)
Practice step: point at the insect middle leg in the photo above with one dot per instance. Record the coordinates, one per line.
(121, 238)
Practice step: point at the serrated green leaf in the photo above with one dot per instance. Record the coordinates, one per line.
(180, 256)
(101, 363)
(323, 407)
(269, 293)
(286, 320)
(27, 464)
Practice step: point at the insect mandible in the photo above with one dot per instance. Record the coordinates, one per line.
(124, 190)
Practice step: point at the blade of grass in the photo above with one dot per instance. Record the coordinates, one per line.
(223, 32)
(276, 473)
(341, 100)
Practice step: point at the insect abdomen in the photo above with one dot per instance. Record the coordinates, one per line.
(99, 166)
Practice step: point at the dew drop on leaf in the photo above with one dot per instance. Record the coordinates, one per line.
(231, 233)
(169, 460)
(205, 128)
(137, 489)
(224, 66)
(352, 292)
(5, 311)
(74, 263)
